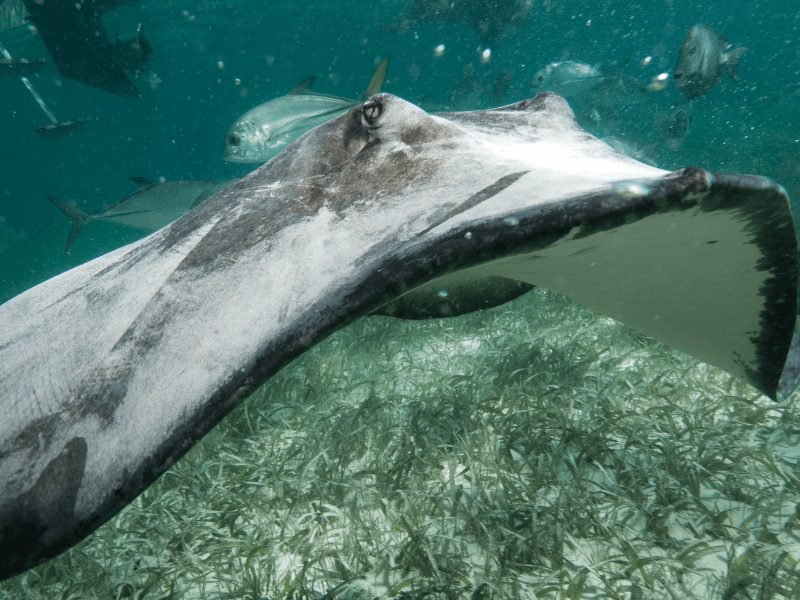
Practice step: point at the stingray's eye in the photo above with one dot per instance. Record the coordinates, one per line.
(234, 139)
(372, 111)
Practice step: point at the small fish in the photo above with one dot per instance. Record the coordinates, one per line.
(674, 124)
(151, 207)
(501, 85)
(15, 67)
(567, 78)
(489, 18)
(626, 148)
(60, 129)
(263, 131)
(704, 55)
(467, 94)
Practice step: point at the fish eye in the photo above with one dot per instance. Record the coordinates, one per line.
(234, 139)
(371, 111)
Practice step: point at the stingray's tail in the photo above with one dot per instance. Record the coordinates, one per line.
(76, 216)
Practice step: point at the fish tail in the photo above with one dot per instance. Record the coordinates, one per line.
(378, 77)
(732, 59)
(75, 215)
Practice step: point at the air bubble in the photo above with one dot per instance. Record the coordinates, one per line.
(658, 83)
(631, 190)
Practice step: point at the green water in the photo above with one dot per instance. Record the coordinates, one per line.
(535, 450)
(176, 130)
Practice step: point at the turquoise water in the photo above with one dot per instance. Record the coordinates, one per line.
(176, 130)
(211, 62)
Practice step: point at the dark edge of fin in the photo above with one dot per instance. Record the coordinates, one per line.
(378, 77)
(790, 377)
(776, 237)
(142, 182)
(77, 217)
(304, 86)
(769, 227)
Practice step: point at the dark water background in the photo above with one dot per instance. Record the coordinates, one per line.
(213, 60)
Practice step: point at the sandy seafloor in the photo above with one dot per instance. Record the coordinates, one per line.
(533, 450)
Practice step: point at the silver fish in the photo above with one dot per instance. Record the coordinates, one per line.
(631, 149)
(568, 78)
(149, 208)
(578, 80)
(263, 131)
(704, 56)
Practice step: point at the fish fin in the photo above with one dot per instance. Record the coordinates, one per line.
(731, 61)
(304, 86)
(378, 77)
(75, 215)
(142, 182)
(212, 189)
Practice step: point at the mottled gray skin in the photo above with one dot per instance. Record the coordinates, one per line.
(111, 371)
(702, 59)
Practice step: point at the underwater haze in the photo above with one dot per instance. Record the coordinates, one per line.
(532, 450)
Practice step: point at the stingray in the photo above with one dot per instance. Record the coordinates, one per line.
(111, 371)
(75, 36)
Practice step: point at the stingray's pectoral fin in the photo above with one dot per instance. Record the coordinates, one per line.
(706, 264)
(710, 272)
(45, 513)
